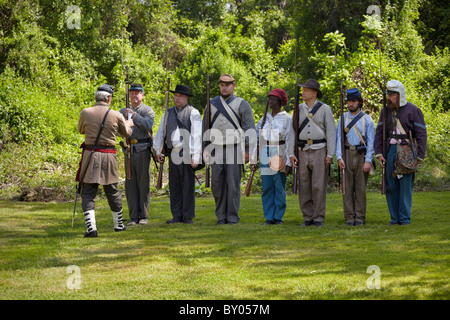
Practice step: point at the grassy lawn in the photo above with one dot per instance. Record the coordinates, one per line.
(244, 261)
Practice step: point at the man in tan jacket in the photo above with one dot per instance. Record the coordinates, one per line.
(98, 166)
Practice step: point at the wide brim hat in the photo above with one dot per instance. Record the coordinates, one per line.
(183, 90)
(279, 93)
(313, 84)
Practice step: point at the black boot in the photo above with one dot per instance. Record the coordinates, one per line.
(92, 234)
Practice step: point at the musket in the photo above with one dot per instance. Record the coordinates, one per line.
(208, 127)
(383, 177)
(252, 174)
(341, 101)
(341, 98)
(295, 120)
(127, 140)
(163, 149)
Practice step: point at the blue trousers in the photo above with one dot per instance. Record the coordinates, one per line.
(398, 191)
(274, 196)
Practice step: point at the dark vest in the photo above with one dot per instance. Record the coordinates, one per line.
(178, 118)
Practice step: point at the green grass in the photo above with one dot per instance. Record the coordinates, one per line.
(244, 261)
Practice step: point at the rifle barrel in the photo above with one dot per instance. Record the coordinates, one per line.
(383, 177)
(250, 180)
(341, 98)
(295, 120)
(208, 120)
(163, 149)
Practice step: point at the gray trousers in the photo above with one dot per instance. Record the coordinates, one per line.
(182, 190)
(137, 189)
(312, 191)
(226, 187)
(89, 191)
(355, 187)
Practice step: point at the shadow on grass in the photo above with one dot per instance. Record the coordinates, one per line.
(281, 262)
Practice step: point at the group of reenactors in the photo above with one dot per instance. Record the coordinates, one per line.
(227, 137)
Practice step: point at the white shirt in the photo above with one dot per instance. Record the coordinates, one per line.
(195, 136)
(276, 129)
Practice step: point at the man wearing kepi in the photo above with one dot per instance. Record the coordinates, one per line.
(100, 125)
(316, 142)
(233, 141)
(137, 186)
(359, 134)
(183, 139)
(272, 141)
(404, 121)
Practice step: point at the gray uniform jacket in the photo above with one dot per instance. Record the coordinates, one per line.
(143, 120)
(322, 127)
(221, 124)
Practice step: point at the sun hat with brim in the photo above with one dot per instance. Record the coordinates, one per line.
(313, 84)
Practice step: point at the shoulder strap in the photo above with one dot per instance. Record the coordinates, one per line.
(217, 101)
(354, 121)
(313, 112)
(101, 128)
(402, 130)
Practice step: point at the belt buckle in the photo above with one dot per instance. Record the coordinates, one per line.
(309, 141)
(134, 141)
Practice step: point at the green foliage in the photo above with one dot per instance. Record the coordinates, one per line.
(217, 51)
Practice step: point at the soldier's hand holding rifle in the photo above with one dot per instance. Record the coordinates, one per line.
(382, 161)
(294, 161)
(327, 162)
(161, 158)
(129, 114)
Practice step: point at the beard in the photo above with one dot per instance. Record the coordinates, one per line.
(226, 96)
(392, 105)
(353, 109)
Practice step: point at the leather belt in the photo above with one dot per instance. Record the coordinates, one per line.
(310, 141)
(134, 141)
(276, 143)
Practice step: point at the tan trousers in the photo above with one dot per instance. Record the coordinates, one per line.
(312, 194)
(355, 188)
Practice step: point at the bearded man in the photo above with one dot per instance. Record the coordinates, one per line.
(402, 118)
